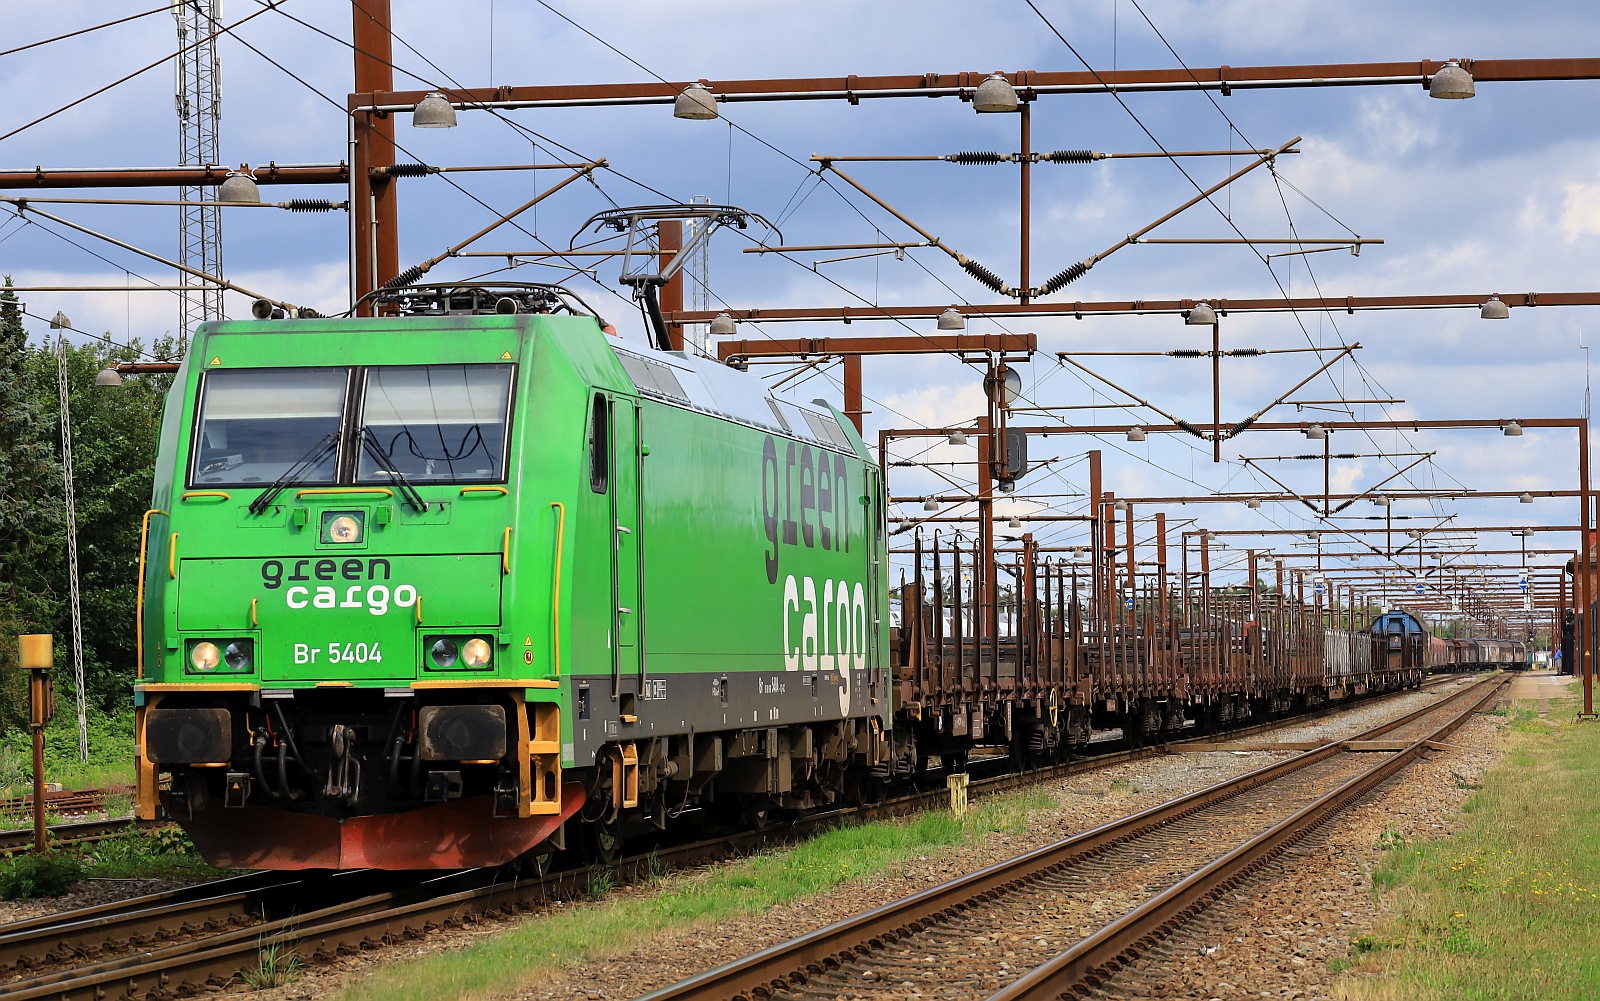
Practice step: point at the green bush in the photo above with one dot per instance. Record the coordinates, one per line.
(49, 874)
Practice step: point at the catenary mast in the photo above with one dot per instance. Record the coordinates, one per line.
(197, 95)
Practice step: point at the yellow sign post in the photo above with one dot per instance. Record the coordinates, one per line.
(36, 654)
(958, 793)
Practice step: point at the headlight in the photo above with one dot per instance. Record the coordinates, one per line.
(238, 655)
(443, 653)
(205, 656)
(476, 653)
(344, 528)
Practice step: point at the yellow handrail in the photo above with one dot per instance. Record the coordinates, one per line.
(502, 491)
(555, 597)
(323, 491)
(172, 558)
(138, 617)
(207, 493)
(505, 551)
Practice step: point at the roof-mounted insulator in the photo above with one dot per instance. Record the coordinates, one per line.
(312, 205)
(983, 275)
(406, 277)
(409, 170)
(978, 157)
(1242, 425)
(1187, 353)
(1071, 156)
(1066, 277)
(1191, 429)
(1246, 352)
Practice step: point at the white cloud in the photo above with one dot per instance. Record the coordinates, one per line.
(1580, 211)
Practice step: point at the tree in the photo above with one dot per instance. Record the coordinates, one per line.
(115, 434)
(30, 502)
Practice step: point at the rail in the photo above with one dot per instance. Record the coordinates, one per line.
(773, 971)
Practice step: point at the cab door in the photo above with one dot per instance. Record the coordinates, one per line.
(626, 570)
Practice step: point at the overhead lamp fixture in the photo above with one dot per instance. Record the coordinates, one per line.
(952, 319)
(1079, 554)
(1525, 499)
(995, 94)
(1313, 536)
(1494, 309)
(956, 438)
(1210, 536)
(1511, 429)
(1381, 500)
(930, 505)
(1252, 503)
(1316, 432)
(240, 188)
(1015, 522)
(1451, 82)
(1120, 504)
(433, 112)
(60, 321)
(108, 376)
(1200, 315)
(1136, 434)
(723, 325)
(695, 104)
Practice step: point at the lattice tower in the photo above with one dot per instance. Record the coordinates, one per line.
(198, 96)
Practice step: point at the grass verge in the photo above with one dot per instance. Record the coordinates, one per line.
(568, 937)
(1508, 908)
(158, 853)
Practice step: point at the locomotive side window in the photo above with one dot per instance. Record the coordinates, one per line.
(600, 444)
(436, 423)
(254, 424)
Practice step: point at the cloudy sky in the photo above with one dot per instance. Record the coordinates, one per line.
(1498, 193)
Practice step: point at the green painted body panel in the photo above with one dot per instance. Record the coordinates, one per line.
(732, 574)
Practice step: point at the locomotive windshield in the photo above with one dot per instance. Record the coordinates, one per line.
(256, 423)
(431, 423)
(436, 423)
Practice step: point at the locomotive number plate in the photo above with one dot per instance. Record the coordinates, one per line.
(338, 653)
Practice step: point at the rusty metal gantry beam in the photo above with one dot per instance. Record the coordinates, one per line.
(851, 349)
(45, 178)
(1079, 309)
(1030, 84)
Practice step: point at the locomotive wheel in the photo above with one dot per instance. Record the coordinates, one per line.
(537, 863)
(601, 842)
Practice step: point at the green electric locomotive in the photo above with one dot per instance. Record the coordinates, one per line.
(454, 584)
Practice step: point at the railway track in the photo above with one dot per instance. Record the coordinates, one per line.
(199, 938)
(1063, 918)
(81, 832)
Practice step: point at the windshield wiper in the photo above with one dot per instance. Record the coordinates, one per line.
(294, 473)
(386, 466)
